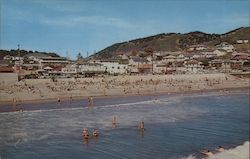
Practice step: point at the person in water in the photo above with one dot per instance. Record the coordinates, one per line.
(85, 133)
(114, 121)
(91, 101)
(95, 133)
(141, 126)
(207, 153)
(220, 149)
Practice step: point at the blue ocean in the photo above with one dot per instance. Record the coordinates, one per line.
(176, 127)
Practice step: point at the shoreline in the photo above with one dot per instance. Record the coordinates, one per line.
(46, 90)
(77, 98)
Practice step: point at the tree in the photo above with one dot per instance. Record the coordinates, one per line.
(79, 56)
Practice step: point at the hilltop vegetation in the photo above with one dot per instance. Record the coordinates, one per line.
(24, 52)
(174, 42)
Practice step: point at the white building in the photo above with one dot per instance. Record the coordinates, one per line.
(92, 68)
(225, 46)
(53, 61)
(113, 67)
(197, 47)
(71, 69)
(169, 58)
(242, 41)
(219, 53)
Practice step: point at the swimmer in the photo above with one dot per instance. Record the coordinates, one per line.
(91, 101)
(95, 133)
(114, 120)
(220, 149)
(141, 126)
(85, 133)
(207, 153)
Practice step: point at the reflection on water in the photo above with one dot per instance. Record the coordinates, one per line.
(176, 127)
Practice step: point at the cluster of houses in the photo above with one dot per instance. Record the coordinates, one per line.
(197, 59)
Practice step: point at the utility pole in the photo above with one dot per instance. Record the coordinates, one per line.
(152, 62)
(19, 73)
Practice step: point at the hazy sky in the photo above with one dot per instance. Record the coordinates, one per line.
(75, 26)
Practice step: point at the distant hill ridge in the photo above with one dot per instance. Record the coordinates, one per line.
(172, 42)
(24, 52)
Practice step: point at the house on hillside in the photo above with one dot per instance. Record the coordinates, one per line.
(7, 57)
(35, 56)
(225, 46)
(242, 57)
(197, 47)
(209, 54)
(241, 41)
(219, 52)
(169, 58)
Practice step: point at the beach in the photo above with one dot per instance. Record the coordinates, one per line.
(41, 90)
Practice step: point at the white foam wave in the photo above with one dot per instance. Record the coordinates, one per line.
(147, 102)
(239, 152)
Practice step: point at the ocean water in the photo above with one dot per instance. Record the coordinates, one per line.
(177, 127)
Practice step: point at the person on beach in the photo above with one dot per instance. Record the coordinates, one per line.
(71, 98)
(220, 149)
(95, 133)
(58, 100)
(207, 153)
(85, 133)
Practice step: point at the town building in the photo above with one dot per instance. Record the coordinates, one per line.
(193, 66)
(113, 67)
(225, 46)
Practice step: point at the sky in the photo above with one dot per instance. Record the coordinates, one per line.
(68, 27)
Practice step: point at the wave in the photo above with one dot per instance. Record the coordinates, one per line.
(146, 102)
(239, 152)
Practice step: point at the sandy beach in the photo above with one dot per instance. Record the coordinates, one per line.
(45, 89)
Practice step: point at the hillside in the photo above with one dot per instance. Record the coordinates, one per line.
(172, 42)
(24, 52)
